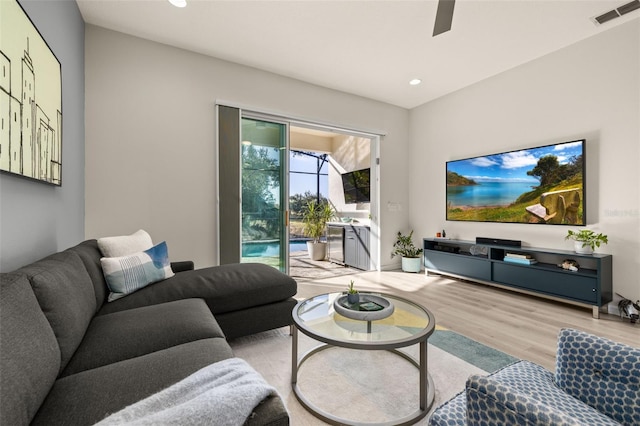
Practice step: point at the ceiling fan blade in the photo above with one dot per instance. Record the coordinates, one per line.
(444, 17)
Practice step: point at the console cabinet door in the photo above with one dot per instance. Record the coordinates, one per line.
(564, 284)
(457, 264)
(350, 247)
(356, 247)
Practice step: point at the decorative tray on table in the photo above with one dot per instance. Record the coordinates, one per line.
(369, 308)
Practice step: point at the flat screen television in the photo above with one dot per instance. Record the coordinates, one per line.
(356, 186)
(545, 185)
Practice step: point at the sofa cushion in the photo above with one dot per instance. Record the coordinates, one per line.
(65, 293)
(225, 288)
(29, 353)
(125, 244)
(130, 273)
(88, 397)
(135, 332)
(90, 255)
(601, 373)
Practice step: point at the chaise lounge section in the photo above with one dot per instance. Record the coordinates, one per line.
(70, 357)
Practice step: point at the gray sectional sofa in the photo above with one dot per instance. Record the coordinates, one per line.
(69, 357)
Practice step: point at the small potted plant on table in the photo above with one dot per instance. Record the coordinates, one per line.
(411, 255)
(352, 294)
(586, 240)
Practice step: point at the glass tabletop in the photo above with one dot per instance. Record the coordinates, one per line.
(409, 323)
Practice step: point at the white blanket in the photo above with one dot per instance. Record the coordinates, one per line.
(224, 393)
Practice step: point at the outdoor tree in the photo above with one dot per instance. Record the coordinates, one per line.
(260, 177)
(297, 202)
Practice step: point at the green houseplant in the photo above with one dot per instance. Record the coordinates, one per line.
(411, 255)
(586, 240)
(315, 217)
(352, 294)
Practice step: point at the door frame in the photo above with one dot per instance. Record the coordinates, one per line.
(290, 120)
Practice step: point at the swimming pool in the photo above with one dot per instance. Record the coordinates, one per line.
(270, 248)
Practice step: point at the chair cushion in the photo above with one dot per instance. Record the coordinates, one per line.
(125, 244)
(29, 353)
(89, 396)
(128, 334)
(524, 394)
(126, 274)
(225, 288)
(601, 373)
(65, 294)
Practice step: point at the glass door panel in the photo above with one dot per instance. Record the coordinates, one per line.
(264, 193)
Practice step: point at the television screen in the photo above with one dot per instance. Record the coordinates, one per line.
(537, 185)
(356, 186)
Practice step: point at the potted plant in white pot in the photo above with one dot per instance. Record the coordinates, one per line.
(315, 217)
(586, 240)
(411, 255)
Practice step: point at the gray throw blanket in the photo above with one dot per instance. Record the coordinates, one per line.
(224, 393)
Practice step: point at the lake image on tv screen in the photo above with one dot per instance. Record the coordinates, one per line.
(537, 185)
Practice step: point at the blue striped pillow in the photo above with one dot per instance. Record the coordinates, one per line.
(127, 274)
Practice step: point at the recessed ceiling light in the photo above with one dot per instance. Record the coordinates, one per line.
(178, 3)
(415, 82)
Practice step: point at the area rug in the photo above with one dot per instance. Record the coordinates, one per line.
(365, 386)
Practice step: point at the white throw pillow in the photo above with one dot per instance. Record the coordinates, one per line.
(126, 274)
(125, 244)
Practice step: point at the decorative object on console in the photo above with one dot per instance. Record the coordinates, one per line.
(544, 184)
(570, 265)
(522, 259)
(315, 217)
(410, 253)
(352, 294)
(586, 240)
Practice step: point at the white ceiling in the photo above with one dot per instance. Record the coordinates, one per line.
(367, 48)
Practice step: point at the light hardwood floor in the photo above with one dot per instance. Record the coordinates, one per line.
(521, 325)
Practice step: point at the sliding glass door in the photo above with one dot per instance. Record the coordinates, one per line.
(264, 190)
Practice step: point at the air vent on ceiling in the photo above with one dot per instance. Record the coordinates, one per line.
(615, 13)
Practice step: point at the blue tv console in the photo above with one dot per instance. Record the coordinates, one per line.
(590, 286)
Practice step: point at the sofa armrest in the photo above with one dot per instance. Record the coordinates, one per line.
(185, 265)
(524, 394)
(601, 373)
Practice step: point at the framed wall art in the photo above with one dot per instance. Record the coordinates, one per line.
(30, 99)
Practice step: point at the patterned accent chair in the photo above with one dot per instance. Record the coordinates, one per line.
(596, 382)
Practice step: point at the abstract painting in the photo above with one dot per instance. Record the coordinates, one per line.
(30, 99)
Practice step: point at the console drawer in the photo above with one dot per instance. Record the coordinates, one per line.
(576, 287)
(458, 264)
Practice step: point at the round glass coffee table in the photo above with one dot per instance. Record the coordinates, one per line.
(409, 324)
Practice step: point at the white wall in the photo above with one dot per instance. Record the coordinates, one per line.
(588, 90)
(38, 219)
(150, 133)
